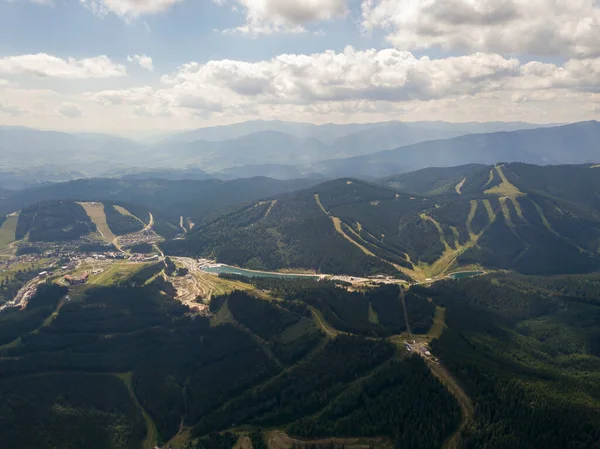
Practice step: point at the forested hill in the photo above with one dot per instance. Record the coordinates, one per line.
(291, 231)
(190, 198)
(54, 221)
(439, 180)
(509, 216)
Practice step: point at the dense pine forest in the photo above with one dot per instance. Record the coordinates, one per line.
(121, 223)
(57, 221)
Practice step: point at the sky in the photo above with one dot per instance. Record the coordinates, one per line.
(144, 67)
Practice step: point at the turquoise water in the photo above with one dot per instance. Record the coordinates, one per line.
(465, 274)
(250, 273)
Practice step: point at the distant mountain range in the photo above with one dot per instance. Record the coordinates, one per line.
(567, 144)
(329, 133)
(265, 148)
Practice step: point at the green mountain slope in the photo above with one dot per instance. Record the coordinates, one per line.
(290, 232)
(506, 216)
(526, 350)
(53, 221)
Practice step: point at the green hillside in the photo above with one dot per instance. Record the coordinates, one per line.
(53, 221)
(527, 352)
(507, 216)
(121, 366)
(127, 366)
(439, 181)
(290, 232)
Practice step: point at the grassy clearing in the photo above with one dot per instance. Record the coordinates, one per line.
(373, 317)
(456, 235)
(505, 188)
(506, 212)
(490, 179)
(277, 439)
(470, 218)
(223, 316)
(517, 205)
(124, 211)
(460, 185)
(318, 200)
(448, 259)
(114, 273)
(545, 221)
(439, 228)
(273, 203)
(96, 213)
(180, 440)
(549, 227)
(490, 211)
(439, 324)
(337, 224)
(7, 231)
(151, 440)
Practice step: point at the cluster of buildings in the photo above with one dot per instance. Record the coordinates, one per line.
(145, 236)
(421, 349)
(9, 263)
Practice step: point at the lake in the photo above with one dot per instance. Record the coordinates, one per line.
(465, 274)
(251, 273)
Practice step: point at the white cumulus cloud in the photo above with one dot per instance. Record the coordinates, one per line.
(145, 62)
(377, 83)
(543, 27)
(389, 75)
(45, 65)
(269, 16)
(135, 96)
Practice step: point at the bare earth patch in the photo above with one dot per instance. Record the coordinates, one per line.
(460, 185)
(96, 213)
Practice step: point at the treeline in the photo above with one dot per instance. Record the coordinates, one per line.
(121, 224)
